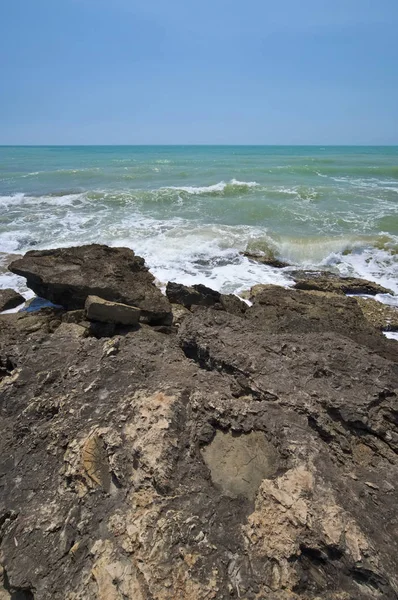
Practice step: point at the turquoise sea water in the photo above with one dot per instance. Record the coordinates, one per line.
(191, 210)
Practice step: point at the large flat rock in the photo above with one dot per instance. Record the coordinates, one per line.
(66, 276)
(111, 312)
(224, 462)
(329, 282)
(279, 310)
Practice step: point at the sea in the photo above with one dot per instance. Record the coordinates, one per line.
(191, 211)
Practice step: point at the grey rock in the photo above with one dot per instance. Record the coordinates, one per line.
(269, 260)
(10, 299)
(279, 310)
(179, 313)
(67, 276)
(199, 295)
(380, 315)
(329, 282)
(232, 304)
(74, 316)
(98, 309)
(228, 460)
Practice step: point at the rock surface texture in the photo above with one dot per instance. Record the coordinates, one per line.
(250, 456)
(105, 311)
(67, 276)
(10, 299)
(328, 282)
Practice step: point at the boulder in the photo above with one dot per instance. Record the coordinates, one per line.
(380, 315)
(232, 304)
(329, 282)
(279, 310)
(255, 290)
(67, 276)
(98, 309)
(263, 259)
(188, 296)
(10, 299)
(201, 295)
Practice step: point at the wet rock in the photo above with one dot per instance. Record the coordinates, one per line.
(232, 304)
(271, 261)
(98, 309)
(201, 295)
(256, 289)
(67, 276)
(381, 316)
(188, 296)
(10, 299)
(329, 282)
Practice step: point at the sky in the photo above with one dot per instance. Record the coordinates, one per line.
(199, 72)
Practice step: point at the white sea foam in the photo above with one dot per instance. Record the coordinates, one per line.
(217, 187)
(391, 335)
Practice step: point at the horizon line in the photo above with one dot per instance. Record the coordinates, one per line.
(198, 145)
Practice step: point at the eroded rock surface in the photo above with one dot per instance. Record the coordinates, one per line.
(67, 276)
(10, 299)
(98, 309)
(279, 310)
(380, 315)
(243, 457)
(329, 282)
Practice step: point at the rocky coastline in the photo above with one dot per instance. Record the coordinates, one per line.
(191, 445)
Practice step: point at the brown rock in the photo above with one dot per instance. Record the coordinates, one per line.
(201, 295)
(380, 315)
(67, 276)
(271, 261)
(188, 296)
(279, 310)
(179, 314)
(98, 309)
(329, 282)
(71, 329)
(10, 299)
(226, 461)
(74, 316)
(232, 304)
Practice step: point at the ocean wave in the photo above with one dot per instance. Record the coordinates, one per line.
(62, 199)
(58, 172)
(224, 188)
(300, 191)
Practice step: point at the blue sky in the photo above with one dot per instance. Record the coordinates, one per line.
(199, 71)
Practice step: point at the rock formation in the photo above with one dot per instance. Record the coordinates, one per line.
(10, 299)
(248, 455)
(329, 282)
(67, 276)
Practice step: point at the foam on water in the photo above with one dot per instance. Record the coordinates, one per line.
(391, 335)
(220, 187)
(191, 211)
